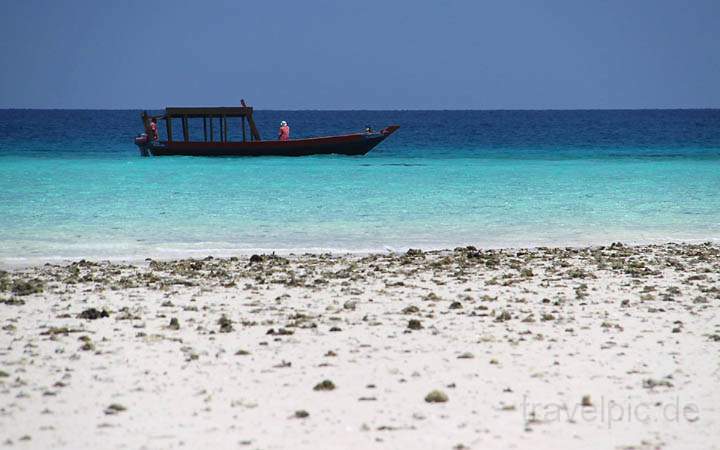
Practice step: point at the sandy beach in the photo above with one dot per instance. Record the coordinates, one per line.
(614, 347)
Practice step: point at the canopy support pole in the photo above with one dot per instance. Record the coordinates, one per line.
(186, 134)
(168, 127)
(255, 134)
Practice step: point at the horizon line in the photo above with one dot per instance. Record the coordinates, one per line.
(682, 108)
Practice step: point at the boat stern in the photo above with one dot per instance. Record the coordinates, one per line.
(143, 144)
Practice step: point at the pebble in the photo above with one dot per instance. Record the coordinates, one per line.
(414, 324)
(325, 385)
(436, 397)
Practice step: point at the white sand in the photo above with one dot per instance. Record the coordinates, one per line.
(187, 388)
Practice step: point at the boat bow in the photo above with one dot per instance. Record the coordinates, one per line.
(387, 131)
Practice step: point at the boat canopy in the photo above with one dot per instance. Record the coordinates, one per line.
(208, 116)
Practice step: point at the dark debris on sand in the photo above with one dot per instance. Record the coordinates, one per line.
(93, 314)
(325, 385)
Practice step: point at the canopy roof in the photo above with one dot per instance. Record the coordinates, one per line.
(202, 111)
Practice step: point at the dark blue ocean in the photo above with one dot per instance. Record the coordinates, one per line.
(72, 184)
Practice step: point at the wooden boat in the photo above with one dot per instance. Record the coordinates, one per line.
(218, 144)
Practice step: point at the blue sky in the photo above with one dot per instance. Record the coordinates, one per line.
(370, 54)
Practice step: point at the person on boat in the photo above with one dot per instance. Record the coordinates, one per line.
(284, 133)
(153, 130)
(368, 129)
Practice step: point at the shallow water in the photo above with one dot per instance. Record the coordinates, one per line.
(72, 185)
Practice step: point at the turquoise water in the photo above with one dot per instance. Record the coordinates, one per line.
(84, 195)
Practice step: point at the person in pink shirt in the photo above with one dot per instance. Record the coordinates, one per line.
(284, 134)
(153, 130)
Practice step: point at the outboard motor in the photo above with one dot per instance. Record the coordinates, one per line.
(141, 140)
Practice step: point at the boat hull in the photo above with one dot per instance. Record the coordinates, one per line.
(351, 144)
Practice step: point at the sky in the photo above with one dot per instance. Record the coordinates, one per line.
(369, 54)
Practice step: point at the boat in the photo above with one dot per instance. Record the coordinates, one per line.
(216, 139)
